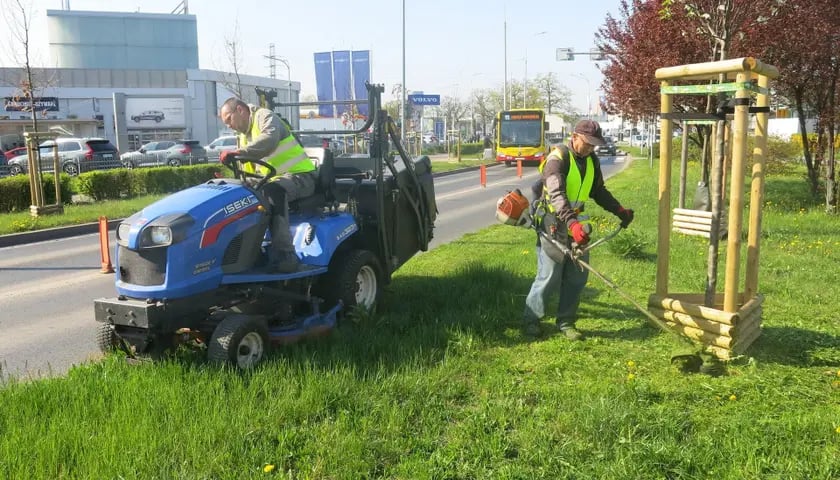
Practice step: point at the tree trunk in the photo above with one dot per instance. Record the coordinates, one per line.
(813, 175)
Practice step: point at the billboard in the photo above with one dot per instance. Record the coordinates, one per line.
(361, 75)
(154, 112)
(324, 82)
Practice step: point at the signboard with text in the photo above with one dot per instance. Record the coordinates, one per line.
(21, 104)
(424, 99)
(522, 116)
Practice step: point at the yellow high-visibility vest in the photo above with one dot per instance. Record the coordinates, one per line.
(577, 189)
(289, 155)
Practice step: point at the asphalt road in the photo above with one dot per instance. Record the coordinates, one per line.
(47, 288)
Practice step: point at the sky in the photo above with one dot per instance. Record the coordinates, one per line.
(451, 46)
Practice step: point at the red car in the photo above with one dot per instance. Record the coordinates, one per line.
(15, 152)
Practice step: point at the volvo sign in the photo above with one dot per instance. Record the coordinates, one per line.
(423, 99)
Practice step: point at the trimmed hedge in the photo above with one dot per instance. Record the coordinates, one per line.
(15, 193)
(108, 184)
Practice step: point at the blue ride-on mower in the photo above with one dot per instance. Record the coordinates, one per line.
(191, 268)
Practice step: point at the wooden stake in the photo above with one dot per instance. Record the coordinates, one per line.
(664, 233)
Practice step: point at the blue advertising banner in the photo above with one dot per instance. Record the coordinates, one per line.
(324, 82)
(361, 74)
(341, 76)
(439, 133)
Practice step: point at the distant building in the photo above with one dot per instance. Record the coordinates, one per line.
(128, 77)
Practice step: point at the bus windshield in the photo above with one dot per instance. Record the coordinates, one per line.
(520, 133)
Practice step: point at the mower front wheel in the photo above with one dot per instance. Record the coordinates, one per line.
(106, 338)
(239, 339)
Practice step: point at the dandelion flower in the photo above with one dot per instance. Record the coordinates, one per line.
(630, 377)
(268, 468)
(632, 364)
(525, 252)
(732, 398)
(837, 429)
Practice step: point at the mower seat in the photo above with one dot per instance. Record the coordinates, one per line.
(325, 184)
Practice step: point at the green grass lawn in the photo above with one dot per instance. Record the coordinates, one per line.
(440, 383)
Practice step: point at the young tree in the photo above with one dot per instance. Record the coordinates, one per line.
(452, 109)
(30, 83)
(483, 108)
(549, 94)
(235, 60)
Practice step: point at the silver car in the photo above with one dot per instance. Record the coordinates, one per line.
(186, 152)
(219, 145)
(75, 155)
(149, 155)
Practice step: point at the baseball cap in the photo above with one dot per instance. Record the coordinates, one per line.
(591, 131)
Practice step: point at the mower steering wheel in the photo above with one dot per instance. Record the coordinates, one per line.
(243, 175)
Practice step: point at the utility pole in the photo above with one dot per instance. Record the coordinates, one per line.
(288, 84)
(504, 96)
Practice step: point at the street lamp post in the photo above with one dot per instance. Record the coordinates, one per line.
(588, 98)
(402, 113)
(288, 84)
(525, 83)
(505, 92)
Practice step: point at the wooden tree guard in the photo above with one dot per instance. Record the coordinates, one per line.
(695, 222)
(733, 322)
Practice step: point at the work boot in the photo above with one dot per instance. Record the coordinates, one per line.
(532, 329)
(572, 333)
(283, 262)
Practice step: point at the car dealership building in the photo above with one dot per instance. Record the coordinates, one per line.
(127, 77)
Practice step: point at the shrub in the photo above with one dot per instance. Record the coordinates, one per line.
(105, 184)
(15, 193)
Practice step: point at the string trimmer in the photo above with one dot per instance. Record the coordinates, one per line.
(690, 362)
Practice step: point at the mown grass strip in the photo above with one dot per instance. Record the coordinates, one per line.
(440, 384)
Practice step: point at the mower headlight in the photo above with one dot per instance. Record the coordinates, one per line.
(160, 235)
(156, 236)
(122, 231)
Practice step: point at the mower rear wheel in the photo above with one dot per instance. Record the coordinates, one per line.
(106, 338)
(355, 279)
(239, 339)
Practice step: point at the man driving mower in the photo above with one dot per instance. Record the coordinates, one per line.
(263, 135)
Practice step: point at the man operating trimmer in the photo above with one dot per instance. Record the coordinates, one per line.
(570, 175)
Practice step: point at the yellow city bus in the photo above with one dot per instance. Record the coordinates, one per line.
(520, 135)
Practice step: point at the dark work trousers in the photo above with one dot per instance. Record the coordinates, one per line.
(280, 191)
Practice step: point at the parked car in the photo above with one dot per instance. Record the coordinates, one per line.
(430, 138)
(75, 155)
(221, 144)
(155, 115)
(314, 141)
(14, 152)
(186, 152)
(608, 148)
(150, 154)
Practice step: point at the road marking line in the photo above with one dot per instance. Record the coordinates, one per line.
(479, 187)
(50, 255)
(53, 286)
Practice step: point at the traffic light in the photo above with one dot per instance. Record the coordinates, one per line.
(564, 54)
